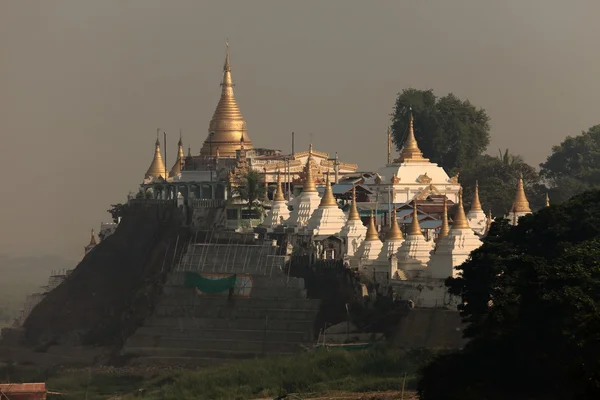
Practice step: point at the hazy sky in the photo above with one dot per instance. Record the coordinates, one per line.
(85, 84)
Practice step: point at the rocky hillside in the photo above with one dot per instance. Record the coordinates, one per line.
(115, 286)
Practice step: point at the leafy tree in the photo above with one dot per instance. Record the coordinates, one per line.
(497, 178)
(251, 187)
(117, 211)
(574, 165)
(450, 131)
(531, 298)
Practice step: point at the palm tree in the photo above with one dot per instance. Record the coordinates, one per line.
(251, 188)
(509, 158)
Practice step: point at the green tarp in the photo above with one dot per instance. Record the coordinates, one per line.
(209, 286)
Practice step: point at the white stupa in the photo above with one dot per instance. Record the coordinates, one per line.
(393, 240)
(328, 218)
(415, 251)
(307, 201)
(370, 248)
(453, 248)
(279, 211)
(354, 231)
(476, 216)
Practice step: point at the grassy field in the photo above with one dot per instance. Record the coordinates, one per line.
(310, 374)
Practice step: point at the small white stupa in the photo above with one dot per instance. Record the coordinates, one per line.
(328, 218)
(370, 247)
(415, 251)
(307, 201)
(279, 211)
(354, 231)
(453, 248)
(476, 215)
(393, 240)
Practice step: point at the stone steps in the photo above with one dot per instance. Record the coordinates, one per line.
(248, 350)
(234, 312)
(238, 323)
(185, 297)
(223, 334)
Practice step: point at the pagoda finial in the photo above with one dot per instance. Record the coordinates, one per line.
(415, 228)
(353, 215)
(309, 180)
(93, 239)
(547, 204)
(445, 229)
(460, 219)
(410, 151)
(394, 233)
(328, 200)
(227, 65)
(279, 194)
(371, 230)
(157, 167)
(521, 204)
(476, 204)
(180, 161)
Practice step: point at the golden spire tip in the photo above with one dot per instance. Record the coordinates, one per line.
(371, 230)
(460, 219)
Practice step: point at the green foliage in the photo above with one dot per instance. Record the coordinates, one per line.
(574, 165)
(117, 211)
(532, 304)
(497, 178)
(450, 131)
(251, 187)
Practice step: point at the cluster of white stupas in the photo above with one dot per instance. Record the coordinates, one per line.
(398, 256)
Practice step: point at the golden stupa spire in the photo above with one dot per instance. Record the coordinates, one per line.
(460, 219)
(410, 151)
(93, 239)
(157, 167)
(353, 215)
(394, 233)
(476, 204)
(371, 230)
(279, 193)
(328, 200)
(178, 166)
(445, 229)
(488, 222)
(309, 180)
(415, 228)
(521, 204)
(227, 123)
(547, 200)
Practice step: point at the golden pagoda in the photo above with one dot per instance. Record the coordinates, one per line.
(476, 204)
(445, 229)
(178, 166)
(371, 230)
(547, 204)
(521, 204)
(394, 233)
(415, 228)
(93, 239)
(410, 151)
(279, 192)
(460, 219)
(227, 127)
(157, 167)
(353, 215)
(328, 199)
(309, 180)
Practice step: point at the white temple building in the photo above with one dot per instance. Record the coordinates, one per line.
(413, 176)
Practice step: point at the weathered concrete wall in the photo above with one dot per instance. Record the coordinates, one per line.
(431, 328)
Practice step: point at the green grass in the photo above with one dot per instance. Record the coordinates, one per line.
(319, 372)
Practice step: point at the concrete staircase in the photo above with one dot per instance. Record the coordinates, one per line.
(187, 329)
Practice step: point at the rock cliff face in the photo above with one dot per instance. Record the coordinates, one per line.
(116, 285)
